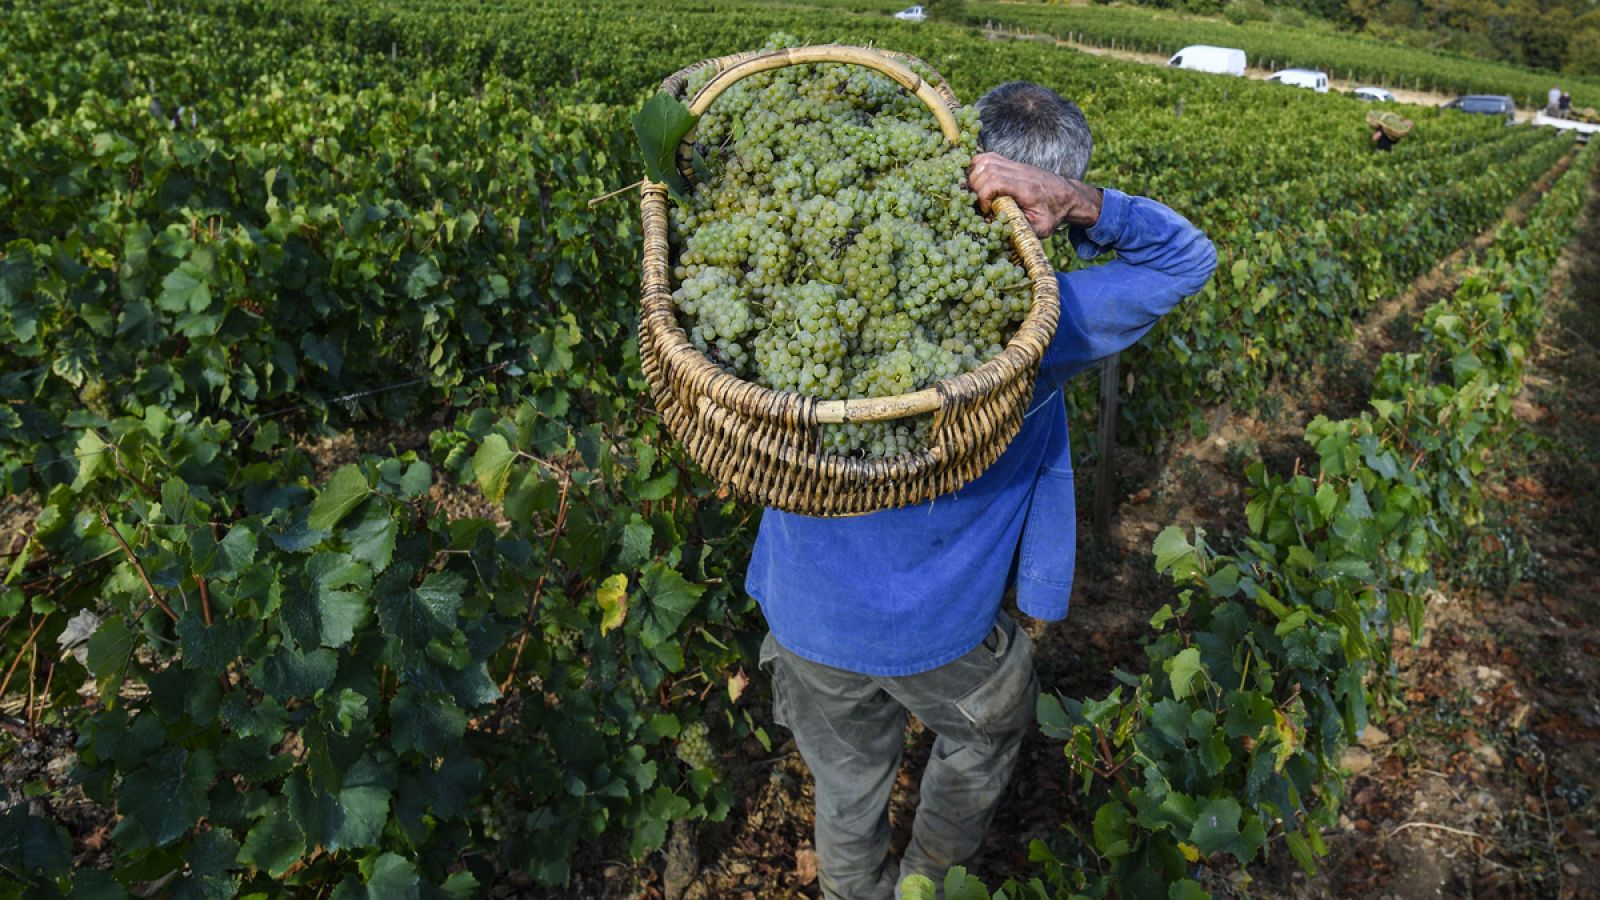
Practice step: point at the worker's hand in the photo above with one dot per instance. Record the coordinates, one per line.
(1047, 199)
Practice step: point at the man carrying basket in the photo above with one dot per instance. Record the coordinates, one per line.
(876, 615)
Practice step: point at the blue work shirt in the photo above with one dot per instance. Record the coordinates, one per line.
(906, 590)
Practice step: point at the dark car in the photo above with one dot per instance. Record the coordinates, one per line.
(1486, 105)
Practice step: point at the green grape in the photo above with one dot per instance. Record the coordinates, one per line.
(833, 249)
(694, 747)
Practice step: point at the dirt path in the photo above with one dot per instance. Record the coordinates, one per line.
(1483, 785)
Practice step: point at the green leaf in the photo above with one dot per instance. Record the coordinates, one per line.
(1175, 554)
(95, 458)
(341, 611)
(33, 845)
(1053, 719)
(210, 648)
(394, 877)
(236, 550)
(416, 616)
(460, 885)
(422, 278)
(659, 487)
(425, 723)
(185, 289)
(453, 786)
(958, 885)
(1216, 829)
(167, 796)
(288, 673)
(491, 466)
(344, 490)
(1300, 849)
(636, 538)
(660, 126)
(416, 480)
(93, 884)
(109, 653)
(671, 599)
(354, 818)
(918, 887)
(1187, 889)
(372, 539)
(211, 857)
(274, 842)
(1182, 670)
(1111, 829)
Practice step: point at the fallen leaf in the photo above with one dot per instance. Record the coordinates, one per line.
(805, 864)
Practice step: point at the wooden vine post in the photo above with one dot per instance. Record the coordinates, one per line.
(1104, 468)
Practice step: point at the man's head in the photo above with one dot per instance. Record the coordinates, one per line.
(1031, 124)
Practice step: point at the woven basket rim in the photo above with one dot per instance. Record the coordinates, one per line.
(1022, 351)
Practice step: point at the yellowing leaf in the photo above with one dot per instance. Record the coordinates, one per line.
(737, 682)
(1189, 851)
(612, 596)
(1288, 741)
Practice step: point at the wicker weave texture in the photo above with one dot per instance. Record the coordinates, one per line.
(763, 444)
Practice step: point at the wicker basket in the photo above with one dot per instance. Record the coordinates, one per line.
(1391, 124)
(764, 444)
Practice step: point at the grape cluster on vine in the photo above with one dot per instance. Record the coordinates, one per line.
(834, 250)
(694, 746)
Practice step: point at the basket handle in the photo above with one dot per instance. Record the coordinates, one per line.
(835, 53)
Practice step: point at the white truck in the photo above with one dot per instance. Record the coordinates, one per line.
(1584, 130)
(1306, 78)
(1206, 58)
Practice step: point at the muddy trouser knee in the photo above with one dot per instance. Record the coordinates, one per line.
(850, 729)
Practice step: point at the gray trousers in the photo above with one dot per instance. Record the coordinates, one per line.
(851, 730)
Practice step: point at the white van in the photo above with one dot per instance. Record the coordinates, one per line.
(1205, 58)
(1306, 78)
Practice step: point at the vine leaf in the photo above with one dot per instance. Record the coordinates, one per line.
(355, 817)
(33, 844)
(168, 796)
(394, 878)
(372, 539)
(415, 616)
(491, 466)
(1216, 830)
(428, 723)
(185, 288)
(1183, 669)
(346, 489)
(660, 126)
(612, 595)
(275, 842)
(110, 651)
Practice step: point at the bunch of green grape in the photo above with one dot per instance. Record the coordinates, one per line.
(833, 248)
(694, 746)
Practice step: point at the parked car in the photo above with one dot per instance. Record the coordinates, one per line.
(1486, 105)
(1375, 94)
(911, 14)
(1306, 78)
(1205, 58)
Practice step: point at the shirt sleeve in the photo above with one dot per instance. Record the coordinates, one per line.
(1161, 258)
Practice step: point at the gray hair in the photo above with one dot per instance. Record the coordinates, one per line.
(1029, 123)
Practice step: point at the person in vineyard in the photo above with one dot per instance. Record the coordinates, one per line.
(899, 611)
